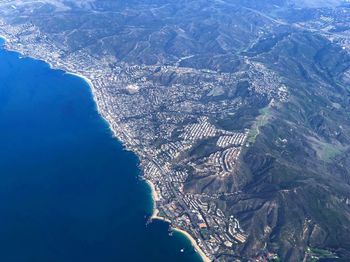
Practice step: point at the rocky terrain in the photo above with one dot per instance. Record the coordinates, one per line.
(238, 110)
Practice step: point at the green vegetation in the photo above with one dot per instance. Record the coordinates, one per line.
(314, 254)
(260, 121)
(330, 151)
(326, 151)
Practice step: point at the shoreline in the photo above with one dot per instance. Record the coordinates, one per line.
(194, 244)
(154, 193)
(155, 196)
(3, 38)
(155, 215)
(94, 97)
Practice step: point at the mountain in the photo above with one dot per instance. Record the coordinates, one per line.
(238, 110)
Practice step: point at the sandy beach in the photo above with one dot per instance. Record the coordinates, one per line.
(194, 244)
(155, 216)
(3, 38)
(87, 80)
(155, 196)
(94, 96)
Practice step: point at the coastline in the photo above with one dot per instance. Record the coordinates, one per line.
(155, 215)
(154, 193)
(155, 198)
(3, 38)
(194, 244)
(94, 96)
(87, 80)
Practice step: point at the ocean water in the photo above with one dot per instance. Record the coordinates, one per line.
(68, 189)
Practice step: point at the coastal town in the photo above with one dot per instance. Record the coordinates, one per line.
(237, 112)
(165, 129)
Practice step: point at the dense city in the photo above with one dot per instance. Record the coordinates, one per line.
(130, 102)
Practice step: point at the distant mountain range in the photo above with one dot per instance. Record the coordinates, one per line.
(240, 106)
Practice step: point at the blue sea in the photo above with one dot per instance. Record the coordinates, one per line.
(68, 189)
